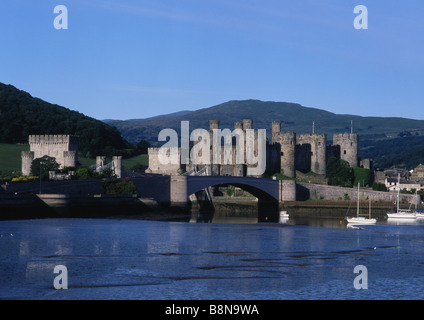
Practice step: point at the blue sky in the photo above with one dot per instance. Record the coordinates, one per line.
(131, 59)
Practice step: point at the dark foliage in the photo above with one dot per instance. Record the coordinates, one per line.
(42, 166)
(339, 173)
(22, 115)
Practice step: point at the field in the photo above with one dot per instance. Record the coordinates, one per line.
(10, 156)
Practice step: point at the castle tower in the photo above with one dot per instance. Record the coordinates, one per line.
(117, 166)
(213, 124)
(54, 146)
(27, 158)
(276, 129)
(247, 124)
(311, 149)
(70, 158)
(100, 162)
(287, 143)
(238, 125)
(64, 148)
(348, 143)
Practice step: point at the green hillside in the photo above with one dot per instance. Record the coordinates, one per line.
(22, 115)
(389, 141)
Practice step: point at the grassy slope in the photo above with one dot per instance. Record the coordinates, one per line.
(10, 156)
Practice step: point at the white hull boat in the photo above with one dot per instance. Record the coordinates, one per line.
(402, 215)
(358, 219)
(361, 220)
(399, 214)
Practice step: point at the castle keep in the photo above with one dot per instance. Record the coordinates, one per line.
(64, 148)
(286, 153)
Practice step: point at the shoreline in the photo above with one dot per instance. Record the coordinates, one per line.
(35, 206)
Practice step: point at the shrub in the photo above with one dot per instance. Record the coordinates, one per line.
(119, 187)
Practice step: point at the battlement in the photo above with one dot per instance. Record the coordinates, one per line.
(27, 154)
(340, 137)
(53, 139)
(313, 136)
(69, 154)
(285, 137)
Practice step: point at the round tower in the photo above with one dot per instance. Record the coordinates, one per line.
(213, 124)
(247, 124)
(319, 153)
(100, 162)
(238, 125)
(27, 158)
(117, 165)
(287, 141)
(276, 129)
(70, 158)
(348, 143)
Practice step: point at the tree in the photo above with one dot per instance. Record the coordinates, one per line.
(142, 147)
(84, 174)
(362, 175)
(379, 186)
(42, 166)
(339, 173)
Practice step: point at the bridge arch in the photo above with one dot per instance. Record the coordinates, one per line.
(266, 190)
(261, 188)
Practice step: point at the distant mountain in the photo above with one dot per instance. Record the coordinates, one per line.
(293, 117)
(22, 115)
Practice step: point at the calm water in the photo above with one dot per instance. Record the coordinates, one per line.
(134, 259)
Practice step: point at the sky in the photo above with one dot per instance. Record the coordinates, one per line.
(132, 59)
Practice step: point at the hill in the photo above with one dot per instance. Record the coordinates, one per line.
(294, 117)
(22, 115)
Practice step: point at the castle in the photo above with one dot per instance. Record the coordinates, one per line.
(286, 153)
(64, 148)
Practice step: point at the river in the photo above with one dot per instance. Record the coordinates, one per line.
(139, 259)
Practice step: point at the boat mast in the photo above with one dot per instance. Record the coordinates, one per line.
(369, 208)
(397, 209)
(357, 206)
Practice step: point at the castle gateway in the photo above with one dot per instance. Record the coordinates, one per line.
(64, 148)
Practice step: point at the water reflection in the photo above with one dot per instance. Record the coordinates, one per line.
(337, 222)
(133, 259)
(284, 220)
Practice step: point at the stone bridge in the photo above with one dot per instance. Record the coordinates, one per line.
(266, 190)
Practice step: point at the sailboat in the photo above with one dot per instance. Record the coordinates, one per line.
(361, 220)
(401, 214)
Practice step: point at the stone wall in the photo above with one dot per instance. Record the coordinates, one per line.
(306, 191)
